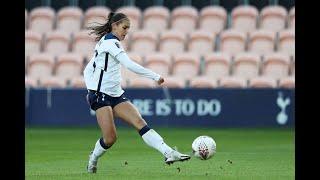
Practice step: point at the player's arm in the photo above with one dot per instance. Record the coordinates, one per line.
(136, 68)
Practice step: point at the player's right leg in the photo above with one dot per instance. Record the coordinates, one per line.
(106, 122)
(130, 114)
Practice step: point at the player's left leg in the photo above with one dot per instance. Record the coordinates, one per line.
(130, 114)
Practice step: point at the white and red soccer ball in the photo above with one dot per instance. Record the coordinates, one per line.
(204, 147)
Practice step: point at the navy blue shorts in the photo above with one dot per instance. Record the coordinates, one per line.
(97, 100)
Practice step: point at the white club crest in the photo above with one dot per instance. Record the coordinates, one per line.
(282, 117)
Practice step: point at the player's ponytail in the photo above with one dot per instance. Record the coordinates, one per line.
(102, 29)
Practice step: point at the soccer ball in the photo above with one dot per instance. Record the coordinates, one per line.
(204, 147)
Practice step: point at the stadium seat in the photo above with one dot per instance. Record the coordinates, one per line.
(33, 42)
(143, 42)
(186, 65)
(68, 66)
(262, 82)
(159, 63)
(26, 64)
(184, 18)
(94, 15)
(173, 82)
(57, 42)
(77, 82)
(126, 74)
(276, 65)
(69, 19)
(246, 65)
(244, 18)
(53, 82)
(30, 82)
(26, 19)
(83, 43)
(287, 82)
(42, 19)
(261, 42)
(156, 18)
(213, 19)
(41, 66)
(292, 67)
(232, 41)
(134, 14)
(142, 82)
(217, 65)
(286, 43)
(172, 41)
(273, 18)
(232, 82)
(292, 18)
(203, 82)
(201, 42)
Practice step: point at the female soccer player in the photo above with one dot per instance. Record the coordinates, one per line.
(106, 97)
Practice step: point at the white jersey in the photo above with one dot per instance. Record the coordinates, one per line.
(103, 72)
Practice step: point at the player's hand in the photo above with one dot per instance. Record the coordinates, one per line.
(160, 81)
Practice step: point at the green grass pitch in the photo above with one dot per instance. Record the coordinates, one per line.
(248, 154)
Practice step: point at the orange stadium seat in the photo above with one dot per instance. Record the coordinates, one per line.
(273, 18)
(276, 65)
(41, 66)
(33, 42)
(246, 65)
(134, 14)
(53, 82)
(287, 82)
(83, 43)
(233, 82)
(201, 42)
(156, 18)
(77, 82)
(232, 41)
(173, 82)
(186, 65)
(57, 42)
(244, 18)
(142, 82)
(172, 41)
(42, 19)
(262, 82)
(94, 15)
(286, 43)
(143, 42)
(69, 19)
(261, 42)
(203, 82)
(292, 18)
(159, 63)
(30, 82)
(213, 19)
(217, 65)
(184, 18)
(68, 65)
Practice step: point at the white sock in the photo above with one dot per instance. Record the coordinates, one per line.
(153, 139)
(98, 151)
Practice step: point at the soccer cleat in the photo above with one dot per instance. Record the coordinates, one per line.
(92, 165)
(175, 156)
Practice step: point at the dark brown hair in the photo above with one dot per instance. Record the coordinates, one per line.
(101, 29)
